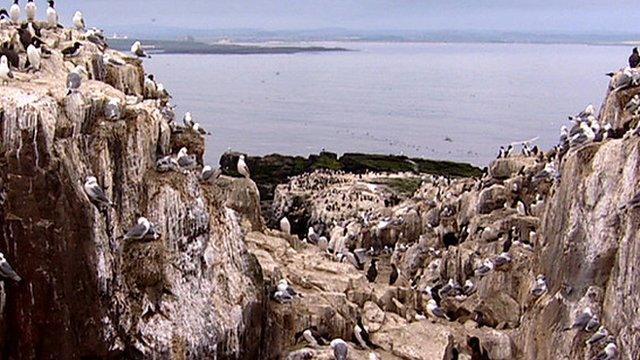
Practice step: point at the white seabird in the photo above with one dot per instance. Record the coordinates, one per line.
(243, 169)
(30, 9)
(137, 50)
(112, 109)
(150, 86)
(540, 286)
(285, 226)
(78, 21)
(485, 268)
(199, 129)
(185, 160)
(469, 287)
(284, 286)
(34, 57)
(593, 324)
(436, 311)
(14, 12)
(312, 237)
(610, 352)
(598, 336)
(95, 192)
(582, 320)
(52, 15)
(5, 73)
(312, 337)
(142, 230)
(187, 120)
(323, 243)
(107, 59)
(501, 260)
(6, 271)
(208, 173)
(74, 81)
(340, 349)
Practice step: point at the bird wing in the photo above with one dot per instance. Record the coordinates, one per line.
(7, 271)
(97, 193)
(138, 231)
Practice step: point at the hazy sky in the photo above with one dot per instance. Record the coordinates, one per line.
(517, 15)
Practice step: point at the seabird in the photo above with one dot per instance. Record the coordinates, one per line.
(362, 335)
(187, 120)
(4, 15)
(52, 15)
(74, 80)
(521, 208)
(501, 260)
(372, 272)
(634, 59)
(12, 56)
(312, 336)
(33, 57)
(593, 324)
(485, 268)
(284, 286)
(167, 163)
(78, 21)
(136, 49)
(31, 9)
(323, 243)
(477, 351)
(509, 151)
(340, 349)
(436, 311)
(282, 297)
(590, 110)
(95, 192)
(6, 271)
(72, 51)
(185, 160)
(312, 237)
(150, 87)
(5, 72)
(352, 258)
(107, 59)
(373, 356)
(142, 230)
(199, 129)
(209, 174)
(112, 109)
(582, 320)
(540, 286)
(469, 288)
(243, 169)
(610, 352)
(14, 11)
(598, 336)
(393, 277)
(448, 289)
(285, 226)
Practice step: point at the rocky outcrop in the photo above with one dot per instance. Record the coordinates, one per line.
(86, 292)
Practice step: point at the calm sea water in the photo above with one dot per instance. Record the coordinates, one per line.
(442, 101)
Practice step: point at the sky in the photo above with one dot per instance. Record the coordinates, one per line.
(566, 16)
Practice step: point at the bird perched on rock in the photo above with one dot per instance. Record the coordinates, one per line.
(5, 73)
(436, 311)
(284, 293)
(73, 50)
(469, 287)
(137, 50)
(185, 160)
(582, 320)
(209, 174)
(312, 237)
(150, 87)
(34, 57)
(6, 271)
(200, 130)
(95, 192)
(243, 169)
(52, 15)
(312, 336)
(142, 230)
(31, 9)
(283, 285)
(393, 277)
(340, 349)
(74, 81)
(372, 272)
(540, 286)
(598, 336)
(362, 335)
(14, 12)
(187, 119)
(112, 109)
(634, 59)
(285, 226)
(609, 352)
(78, 21)
(352, 258)
(486, 267)
(501, 260)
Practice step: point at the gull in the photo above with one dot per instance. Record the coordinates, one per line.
(285, 226)
(112, 109)
(95, 192)
(185, 160)
(6, 271)
(485, 268)
(436, 311)
(243, 169)
(610, 352)
(582, 320)
(598, 336)
(142, 230)
(187, 120)
(78, 21)
(137, 50)
(540, 286)
(209, 174)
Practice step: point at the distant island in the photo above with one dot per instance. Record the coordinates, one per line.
(196, 47)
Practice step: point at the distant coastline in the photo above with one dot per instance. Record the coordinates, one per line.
(196, 47)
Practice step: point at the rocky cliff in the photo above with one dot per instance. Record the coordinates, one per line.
(86, 292)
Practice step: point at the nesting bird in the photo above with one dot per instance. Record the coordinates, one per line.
(95, 192)
(436, 311)
(112, 110)
(540, 286)
(142, 230)
(582, 320)
(208, 173)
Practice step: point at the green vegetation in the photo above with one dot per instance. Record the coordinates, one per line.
(402, 186)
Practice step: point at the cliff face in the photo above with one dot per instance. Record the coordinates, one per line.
(86, 292)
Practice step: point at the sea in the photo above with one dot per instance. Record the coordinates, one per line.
(443, 101)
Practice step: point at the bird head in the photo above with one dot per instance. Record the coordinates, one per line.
(50, 3)
(150, 77)
(635, 50)
(206, 168)
(91, 179)
(182, 152)
(143, 221)
(242, 157)
(78, 14)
